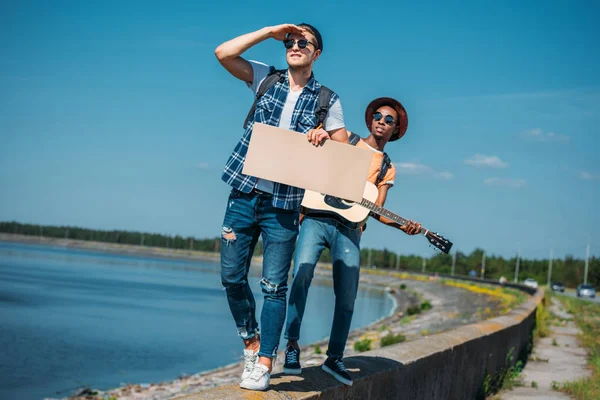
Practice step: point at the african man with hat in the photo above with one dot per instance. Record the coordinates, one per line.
(386, 121)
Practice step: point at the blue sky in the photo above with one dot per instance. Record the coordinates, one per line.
(117, 115)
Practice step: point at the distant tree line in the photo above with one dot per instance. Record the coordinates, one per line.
(114, 236)
(569, 270)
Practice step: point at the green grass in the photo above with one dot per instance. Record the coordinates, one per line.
(542, 318)
(587, 316)
(426, 305)
(402, 286)
(362, 345)
(318, 350)
(413, 310)
(506, 378)
(391, 339)
(534, 384)
(513, 372)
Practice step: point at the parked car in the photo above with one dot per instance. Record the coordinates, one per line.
(557, 286)
(532, 283)
(584, 290)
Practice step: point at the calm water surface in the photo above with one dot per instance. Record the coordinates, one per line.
(74, 317)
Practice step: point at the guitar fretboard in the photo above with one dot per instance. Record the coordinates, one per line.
(386, 213)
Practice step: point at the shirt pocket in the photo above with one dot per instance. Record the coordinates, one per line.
(306, 122)
(264, 109)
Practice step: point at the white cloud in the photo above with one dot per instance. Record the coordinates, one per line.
(589, 176)
(202, 165)
(505, 182)
(480, 160)
(538, 135)
(420, 169)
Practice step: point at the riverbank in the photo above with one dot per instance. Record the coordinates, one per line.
(423, 308)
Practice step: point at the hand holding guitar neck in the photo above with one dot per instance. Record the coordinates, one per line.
(356, 214)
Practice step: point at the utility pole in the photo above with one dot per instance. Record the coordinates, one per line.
(453, 263)
(550, 268)
(587, 262)
(142, 240)
(369, 259)
(424, 264)
(483, 265)
(517, 266)
(397, 262)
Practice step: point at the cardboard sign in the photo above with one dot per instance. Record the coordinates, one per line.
(287, 157)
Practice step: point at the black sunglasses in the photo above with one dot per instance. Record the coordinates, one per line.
(302, 43)
(388, 118)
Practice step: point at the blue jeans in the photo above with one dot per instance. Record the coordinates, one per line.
(247, 217)
(315, 235)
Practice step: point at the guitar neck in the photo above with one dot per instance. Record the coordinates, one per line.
(387, 214)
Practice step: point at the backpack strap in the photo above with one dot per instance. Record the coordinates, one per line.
(323, 104)
(386, 163)
(353, 139)
(272, 78)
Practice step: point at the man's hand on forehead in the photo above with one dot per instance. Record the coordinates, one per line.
(302, 35)
(281, 32)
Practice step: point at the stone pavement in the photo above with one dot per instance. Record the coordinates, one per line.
(558, 358)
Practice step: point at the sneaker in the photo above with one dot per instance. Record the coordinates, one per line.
(335, 367)
(259, 378)
(292, 361)
(250, 359)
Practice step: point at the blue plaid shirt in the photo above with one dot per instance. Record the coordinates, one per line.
(268, 111)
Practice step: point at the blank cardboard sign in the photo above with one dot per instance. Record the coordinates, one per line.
(287, 157)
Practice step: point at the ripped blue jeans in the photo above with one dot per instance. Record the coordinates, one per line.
(247, 217)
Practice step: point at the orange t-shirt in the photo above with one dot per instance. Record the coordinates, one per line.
(375, 167)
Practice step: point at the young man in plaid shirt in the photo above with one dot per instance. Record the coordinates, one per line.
(259, 207)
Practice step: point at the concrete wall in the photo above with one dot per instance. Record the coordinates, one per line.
(458, 364)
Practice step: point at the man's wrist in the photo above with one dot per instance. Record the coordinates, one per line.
(267, 32)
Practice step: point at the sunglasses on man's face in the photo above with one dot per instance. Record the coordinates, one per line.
(388, 118)
(302, 43)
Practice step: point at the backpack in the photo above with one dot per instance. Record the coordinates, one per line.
(385, 163)
(275, 76)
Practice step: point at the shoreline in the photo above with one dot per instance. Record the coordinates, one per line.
(184, 255)
(452, 307)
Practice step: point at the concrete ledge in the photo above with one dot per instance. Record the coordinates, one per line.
(449, 365)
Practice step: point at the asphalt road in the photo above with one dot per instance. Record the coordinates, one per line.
(573, 293)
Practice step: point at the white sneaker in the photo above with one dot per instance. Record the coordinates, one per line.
(250, 358)
(259, 378)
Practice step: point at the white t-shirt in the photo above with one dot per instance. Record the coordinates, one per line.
(333, 120)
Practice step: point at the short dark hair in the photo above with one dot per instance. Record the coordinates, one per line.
(315, 32)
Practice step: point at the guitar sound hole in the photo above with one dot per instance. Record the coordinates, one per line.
(338, 203)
